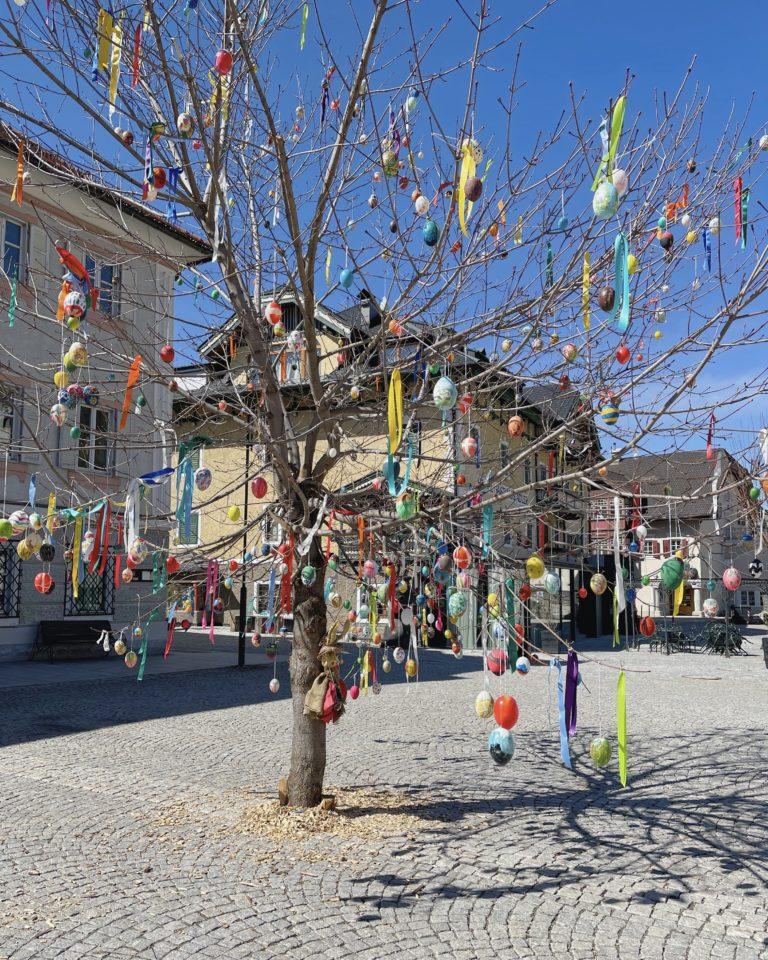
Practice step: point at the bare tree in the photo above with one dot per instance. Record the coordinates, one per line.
(504, 268)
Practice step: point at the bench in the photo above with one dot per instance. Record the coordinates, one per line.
(69, 640)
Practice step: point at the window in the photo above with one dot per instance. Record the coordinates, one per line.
(270, 530)
(104, 276)
(503, 454)
(10, 581)
(748, 598)
(261, 598)
(95, 594)
(93, 443)
(194, 531)
(13, 249)
(7, 420)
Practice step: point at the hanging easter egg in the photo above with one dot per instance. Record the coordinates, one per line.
(389, 163)
(497, 661)
(457, 604)
(516, 426)
(259, 487)
(91, 396)
(672, 572)
(346, 276)
(58, 414)
(647, 626)
(755, 567)
(274, 685)
(522, 665)
(6, 529)
(223, 62)
(462, 557)
(666, 240)
(583, 593)
(605, 201)
(731, 579)
(598, 583)
(79, 354)
(623, 354)
(185, 123)
(308, 575)
(469, 447)
(75, 304)
(430, 233)
(278, 330)
(370, 569)
(620, 181)
(61, 379)
(399, 655)
(506, 711)
(233, 513)
(411, 667)
(570, 351)
(484, 705)
(534, 567)
(710, 607)
(552, 584)
(473, 188)
(501, 746)
(43, 582)
(405, 506)
(131, 659)
(161, 178)
(606, 297)
(445, 394)
(203, 478)
(609, 414)
(273, 312)
(763, 142)
(562, 224)
(127, 575)
(600, 752)
(714, 226)
(19, 521)
(421, 205)
(641, 531)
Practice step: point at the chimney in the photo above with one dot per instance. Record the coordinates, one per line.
(369, 311)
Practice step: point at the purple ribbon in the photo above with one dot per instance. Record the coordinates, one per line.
(571, 681)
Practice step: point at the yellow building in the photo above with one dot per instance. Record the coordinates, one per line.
(525, 518)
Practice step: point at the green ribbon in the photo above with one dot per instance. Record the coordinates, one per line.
(621, 725)
(12, 304)
(159, 573)
(304, 18)
(620, 313)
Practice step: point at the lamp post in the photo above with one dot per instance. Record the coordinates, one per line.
(243, 589)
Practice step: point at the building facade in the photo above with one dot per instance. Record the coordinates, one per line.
(132, 256)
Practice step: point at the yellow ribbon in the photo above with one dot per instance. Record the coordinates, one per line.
(519, 231)
(104, 34)
(585, 291)
(328, 265)
(617, 123)
(76, 556)
(114, 73)
(17, 196)
(678, 598)
(51, 512)
(468, 168)
(395, 411)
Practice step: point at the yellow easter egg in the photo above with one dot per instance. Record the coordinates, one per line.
(632, 264)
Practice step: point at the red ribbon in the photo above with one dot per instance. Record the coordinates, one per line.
(169, 638)
(737, 187)
(710, 437)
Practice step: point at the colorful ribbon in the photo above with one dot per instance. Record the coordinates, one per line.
(621, 725)
(17, 196)
(620, 313)
(608, 158)
(133, 379)
(468, 169)
(395, 411)
(585, 291)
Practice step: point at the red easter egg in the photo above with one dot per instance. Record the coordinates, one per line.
(497, 661)
(583, 593)
(505, 711)
(647, 627)
(172, 565)
(160, 178)
(167, 353)
(259, 487)
(223, 62)
(623, 354)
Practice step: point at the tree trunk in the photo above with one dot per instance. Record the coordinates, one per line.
(305, 781)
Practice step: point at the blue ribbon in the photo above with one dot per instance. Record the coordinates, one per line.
(707, 241)
(620, 314)
(389, 471)
(156, 477)
(184, 510)
(32, 490)
(565, 754)
(173, 185)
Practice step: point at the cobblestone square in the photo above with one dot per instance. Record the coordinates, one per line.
(529, 860)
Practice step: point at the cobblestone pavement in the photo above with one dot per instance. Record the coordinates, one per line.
(529, 860)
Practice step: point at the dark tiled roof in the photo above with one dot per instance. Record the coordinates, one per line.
(44, 159)
(683, 473)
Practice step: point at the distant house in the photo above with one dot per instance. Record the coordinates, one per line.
(132, 255)
(550, 518)
(690, 504)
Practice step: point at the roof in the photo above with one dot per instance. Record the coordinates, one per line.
(683, 473)
(45, 159)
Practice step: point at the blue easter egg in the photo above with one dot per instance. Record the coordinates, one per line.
(562, 223)
(346, 276)
(431, 233)
(501, 746)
